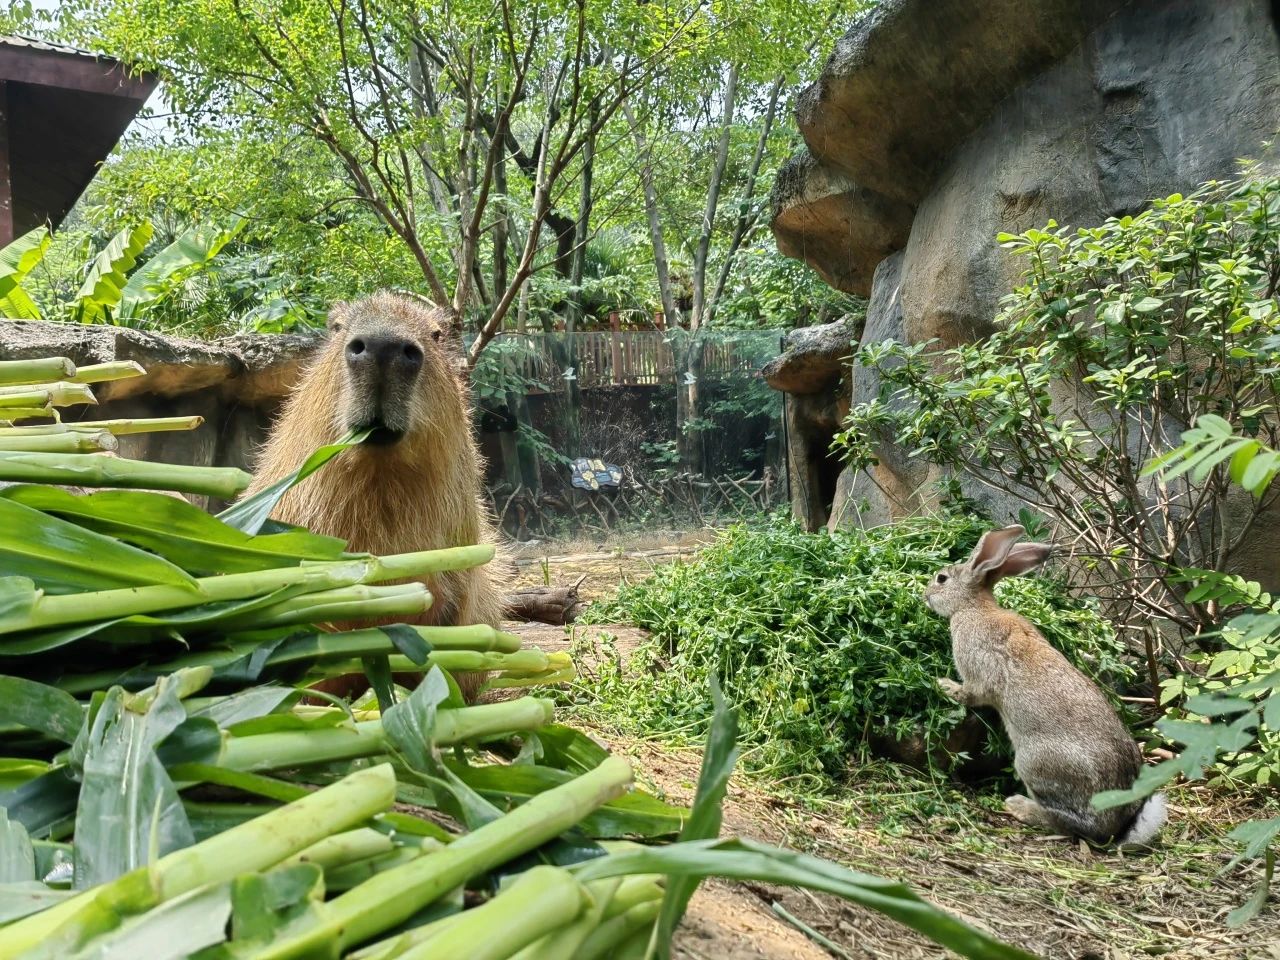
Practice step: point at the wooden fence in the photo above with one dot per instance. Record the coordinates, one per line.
(622, 358)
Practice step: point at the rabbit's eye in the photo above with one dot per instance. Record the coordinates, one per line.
(942, 578)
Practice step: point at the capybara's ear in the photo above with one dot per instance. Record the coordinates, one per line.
(337, 315)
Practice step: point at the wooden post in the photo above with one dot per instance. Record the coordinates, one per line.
(6, 183)
(660, 320)
(615, 347)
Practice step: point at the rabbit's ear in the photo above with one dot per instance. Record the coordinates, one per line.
(993, 548)
(1020, 559)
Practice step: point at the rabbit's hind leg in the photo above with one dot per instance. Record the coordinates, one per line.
(1027, 811)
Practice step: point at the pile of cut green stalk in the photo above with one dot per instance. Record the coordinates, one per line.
(168, 792)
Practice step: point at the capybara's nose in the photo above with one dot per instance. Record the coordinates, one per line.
(385, 353)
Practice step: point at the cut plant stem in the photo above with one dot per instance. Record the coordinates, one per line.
(299, 748)
(60, 610)
(90, 470)
(43, 370)
(391, 898)
(613, 932)
(563, 944)
(543, 899)
(69, 442)
(62, 394)
(356, 602)
(523, 661)
(118, 428)
(102, 372)
(249, 847)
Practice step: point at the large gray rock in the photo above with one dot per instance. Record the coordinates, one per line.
(812, 358)
(946, 122)
(236, 384)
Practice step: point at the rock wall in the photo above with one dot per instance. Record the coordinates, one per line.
(237, 385)
(937, 124)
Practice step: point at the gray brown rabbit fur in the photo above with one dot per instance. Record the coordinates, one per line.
(1068, 742)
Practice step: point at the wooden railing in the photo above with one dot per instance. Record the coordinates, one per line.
(618, 358)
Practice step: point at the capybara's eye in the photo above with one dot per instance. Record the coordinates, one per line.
(355, 347)
(436, 335)
(942, 578)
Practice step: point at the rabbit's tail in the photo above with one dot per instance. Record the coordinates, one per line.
(1147, 821)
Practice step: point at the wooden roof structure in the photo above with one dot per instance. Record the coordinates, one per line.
(62, 110)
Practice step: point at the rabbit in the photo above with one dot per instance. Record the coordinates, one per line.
(1068, 742)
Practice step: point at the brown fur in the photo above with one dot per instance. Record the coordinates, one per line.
(422, 493)
(1068, 742)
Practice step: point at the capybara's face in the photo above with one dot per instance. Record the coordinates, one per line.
(394, 359)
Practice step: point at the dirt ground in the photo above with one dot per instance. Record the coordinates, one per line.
(1056, 899)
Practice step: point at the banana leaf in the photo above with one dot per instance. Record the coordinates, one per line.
(179, 532)
(18, 259)
(104, 283)
(171, 931)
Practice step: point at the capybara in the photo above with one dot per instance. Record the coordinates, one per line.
(389, 365)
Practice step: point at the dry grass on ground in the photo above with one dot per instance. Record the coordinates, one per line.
(1059, 900)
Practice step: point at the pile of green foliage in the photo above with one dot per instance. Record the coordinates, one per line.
(821, 640)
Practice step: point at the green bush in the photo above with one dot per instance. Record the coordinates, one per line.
(821, 640)
(1122, 336)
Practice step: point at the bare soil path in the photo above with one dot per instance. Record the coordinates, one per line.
(1058, 900)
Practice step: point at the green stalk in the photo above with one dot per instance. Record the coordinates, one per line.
(61, 394)
(323, 647)
(351, 875)
(95, 471)
(72, 442)
(117, 428)
(250, 847)
(52, 611)
(343, 848)
(632, 892)
(43, 370)
(300, 748)
(356, 602)
(543, 899)
(102, 372)
(523, 661)
(564, 943)
(391, 898)
(612, 933)
(353, 644)
(10, 414)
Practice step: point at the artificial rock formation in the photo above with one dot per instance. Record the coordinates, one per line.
(937, 124)
(236, 384)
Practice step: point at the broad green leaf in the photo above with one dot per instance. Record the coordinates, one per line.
(706, 815)
(17, 857)
(104, 284)
(634, 814)
(569, 749)
(42, 802)
(250, 514)
(173, 528)
(62, 557)
(18, 259)
(129, 812)
(748, 860)
(28, 897)
(40, 707)
(160, 275)
(1253, 906)
(173, 930)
